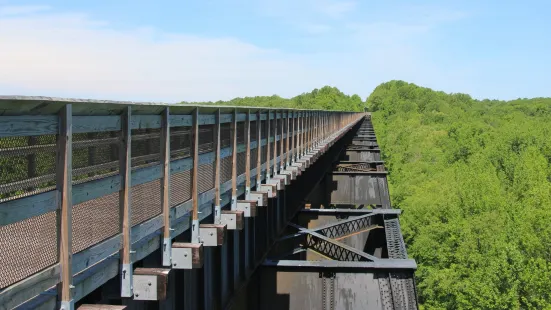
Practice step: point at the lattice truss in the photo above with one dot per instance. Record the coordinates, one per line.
(359, 147)
(356, 167)
(324, 240)
(397, 288)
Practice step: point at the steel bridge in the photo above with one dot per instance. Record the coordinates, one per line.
(131, 205)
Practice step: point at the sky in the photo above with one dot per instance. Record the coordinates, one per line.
(203, 50)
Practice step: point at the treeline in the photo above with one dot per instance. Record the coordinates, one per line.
(326, 98)
(474, 180)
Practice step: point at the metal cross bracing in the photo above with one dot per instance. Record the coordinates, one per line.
(362, 175)
(352, 166)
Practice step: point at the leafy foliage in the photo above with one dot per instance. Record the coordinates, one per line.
(326, 98)
(474, 180)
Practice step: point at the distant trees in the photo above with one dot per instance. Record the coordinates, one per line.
(326, 98)
(474, 180)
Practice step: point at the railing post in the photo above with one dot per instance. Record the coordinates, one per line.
(64, 200)
(258, 149)
(293, 138)
(217, 198)
(248, 155)
(125, 209)
(310, 131)
(268, 135)
(287, 132)
(275, 143)
(234, 163)
(302, 137)
(195, 237)
(165, 157)
(281, 155)
(299, 142)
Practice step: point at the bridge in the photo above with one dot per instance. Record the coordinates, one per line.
(129, 205)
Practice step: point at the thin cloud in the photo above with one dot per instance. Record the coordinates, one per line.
(22, 10)
(70, 54)
(334, 9)
(316, 29)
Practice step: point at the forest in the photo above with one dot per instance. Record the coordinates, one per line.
(473, 178)
(325, 98)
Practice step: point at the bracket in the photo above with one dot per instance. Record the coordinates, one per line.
(233, 219)
(248, 207)
(150, 283)
(270, 189)
(261, 198)
(187, 255)
(278, 182)
(285, 177)
(213, 234)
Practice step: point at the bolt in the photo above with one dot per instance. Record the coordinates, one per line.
(149, 283)
(137, 295)
(174, 264)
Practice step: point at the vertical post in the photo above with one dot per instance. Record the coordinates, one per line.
(317, 127)
(195, 238)
(234, 163)
(302, 135)
(217, 198)
(275, 143)
(64, 184)
(281, 145)
(125, 210)
(293, 138)
(268, 134)
(165, 155)
(248, 156)
(258, 149)
(310, 131)
(288, 132)
(299, 142)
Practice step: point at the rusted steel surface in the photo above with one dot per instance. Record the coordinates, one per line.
(360, 188)
(351, 257)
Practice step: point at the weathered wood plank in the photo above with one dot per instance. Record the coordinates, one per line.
(194, 174)
(94, 189)
(125, 208)
(234, 162)
(23, 208)
(217, 206)
(165, 184)
(145, 121)
(94, 123)
(93, 255)
(258, 149)
(64, 183)
(248, 155)
(180, 120)
(87, 282)
(32, 286)
(28, 125)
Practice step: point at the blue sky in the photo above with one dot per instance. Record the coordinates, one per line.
(207, 50)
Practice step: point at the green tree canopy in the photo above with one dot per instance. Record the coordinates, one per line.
(474, 180)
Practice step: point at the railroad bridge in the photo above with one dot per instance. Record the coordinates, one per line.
(127, 205)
